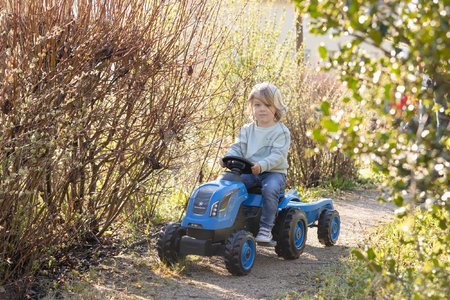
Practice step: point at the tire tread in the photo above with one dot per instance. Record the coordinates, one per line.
(324, 228)
(233, 254)
(167, 245)
(282, 233)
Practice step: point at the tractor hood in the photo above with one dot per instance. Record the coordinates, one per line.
(214, 205)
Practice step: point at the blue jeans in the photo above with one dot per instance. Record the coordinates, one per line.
(272, 184)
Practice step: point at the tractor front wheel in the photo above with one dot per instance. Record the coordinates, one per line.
(290, 233)
(168, 244)
(329, 227)
(240, 252)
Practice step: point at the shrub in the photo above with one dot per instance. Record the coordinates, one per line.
(309, 164)
(360, 279)
(407, 89)
(95, 97)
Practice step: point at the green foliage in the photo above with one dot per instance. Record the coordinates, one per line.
(311, 194)
(339, 183)
(406, 89)
(348, 279)
(366, 174)
(391, 267)
(172, 207)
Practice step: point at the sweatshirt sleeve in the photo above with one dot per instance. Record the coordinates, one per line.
(238, 148)
(278, 153)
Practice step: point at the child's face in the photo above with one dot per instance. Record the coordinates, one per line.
(263, 115)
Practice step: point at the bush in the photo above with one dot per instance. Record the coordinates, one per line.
(309, 164)
(407, 89)
(397, 256)
(94, 99)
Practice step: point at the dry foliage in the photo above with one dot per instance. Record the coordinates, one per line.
(95, 96)
(310, 165)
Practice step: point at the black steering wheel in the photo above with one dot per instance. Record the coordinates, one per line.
(238, 164)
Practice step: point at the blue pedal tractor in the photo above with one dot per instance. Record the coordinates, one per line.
(222, 218)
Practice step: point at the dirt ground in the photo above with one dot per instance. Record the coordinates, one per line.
(139, 275)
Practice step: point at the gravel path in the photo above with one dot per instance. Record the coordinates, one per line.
(131, 277)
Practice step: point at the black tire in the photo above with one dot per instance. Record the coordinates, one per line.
(168, 244)
(290, 232)
(329, 227)
(240, 253)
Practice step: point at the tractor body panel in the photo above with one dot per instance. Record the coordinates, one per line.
(312, 210)
(221, 196)
(190, 245)
(253, 200)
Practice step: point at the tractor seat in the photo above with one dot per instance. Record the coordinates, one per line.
(257, 190)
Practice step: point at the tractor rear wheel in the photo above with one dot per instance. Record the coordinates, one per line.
(329, 227)
(168, 244)
(290, 233)
(240, 252)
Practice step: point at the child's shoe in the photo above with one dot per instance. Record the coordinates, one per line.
(264, 235)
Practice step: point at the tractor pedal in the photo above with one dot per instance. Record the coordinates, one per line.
(272, 243)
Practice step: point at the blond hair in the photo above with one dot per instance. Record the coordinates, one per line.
(270, 95)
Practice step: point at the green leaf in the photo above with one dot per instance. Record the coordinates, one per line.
(353, 7)
(443, 224)
(352, 84)
(391, 263)
(325, 108)
(358, 254)
(398, 201)
(318, 136)
(370, 254)
(387, 91)
(323, 52)
(376, 36)
(374, 267)
(330, 125)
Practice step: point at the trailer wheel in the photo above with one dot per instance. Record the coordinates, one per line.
(168, 244)
(290, 233)
(240, 252)
(329, 227)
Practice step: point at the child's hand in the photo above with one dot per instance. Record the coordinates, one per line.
(256, 169)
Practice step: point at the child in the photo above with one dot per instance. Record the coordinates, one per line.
(265, 142)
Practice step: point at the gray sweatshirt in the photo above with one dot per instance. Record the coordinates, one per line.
(267, 146)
